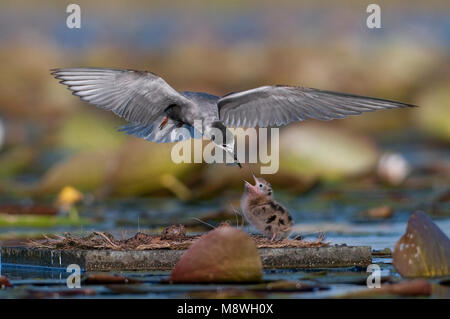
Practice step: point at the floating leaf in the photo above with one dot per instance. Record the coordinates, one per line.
(85, 171)
(16, 160)
(341, 277)
(381, 212)
(4, 282)
(105, 279)
(434, 115)
(142, 167)
(225, 254)
(424, 250)
(90, 130)
(17, 209)
(62, 292)
(406, 289)
(287, 286)
(138, 167)
(40, 221)
(313, 149)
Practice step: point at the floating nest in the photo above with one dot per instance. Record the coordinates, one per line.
(172, 237)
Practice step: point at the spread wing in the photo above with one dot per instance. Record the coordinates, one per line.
(139, 97)
(268, 106)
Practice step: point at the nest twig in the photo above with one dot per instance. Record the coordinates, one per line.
(141, 241)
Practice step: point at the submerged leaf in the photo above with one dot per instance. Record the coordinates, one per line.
(225, 254)
(423, 251)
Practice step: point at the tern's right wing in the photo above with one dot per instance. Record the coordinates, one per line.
(139, 97)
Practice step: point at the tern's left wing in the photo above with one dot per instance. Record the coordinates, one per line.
(269, 106)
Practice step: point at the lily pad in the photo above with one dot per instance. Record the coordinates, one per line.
(16, 160)
(411, 288)
(225, 254)
(325, 151)
(90, 130)
(423, 251)
(138, 167)
(143, 167)
(41, 221)
(434, 116)
(85, 171)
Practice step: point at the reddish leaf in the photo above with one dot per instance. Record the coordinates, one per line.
(37, 294)
(225, 254)
(4, 282)
(423, 251)
(381, 212)
(412, 288)
(16, 209)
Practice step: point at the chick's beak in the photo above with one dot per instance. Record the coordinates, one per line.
(249, 186)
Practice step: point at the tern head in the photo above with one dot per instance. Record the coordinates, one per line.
(261, 187)
(223, 138)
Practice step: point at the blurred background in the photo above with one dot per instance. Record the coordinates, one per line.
(64, 166)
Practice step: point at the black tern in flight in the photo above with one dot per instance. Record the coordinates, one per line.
(154, 109)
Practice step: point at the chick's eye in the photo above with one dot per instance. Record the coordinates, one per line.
(261, 185)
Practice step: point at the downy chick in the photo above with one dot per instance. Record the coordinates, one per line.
(262, 211)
